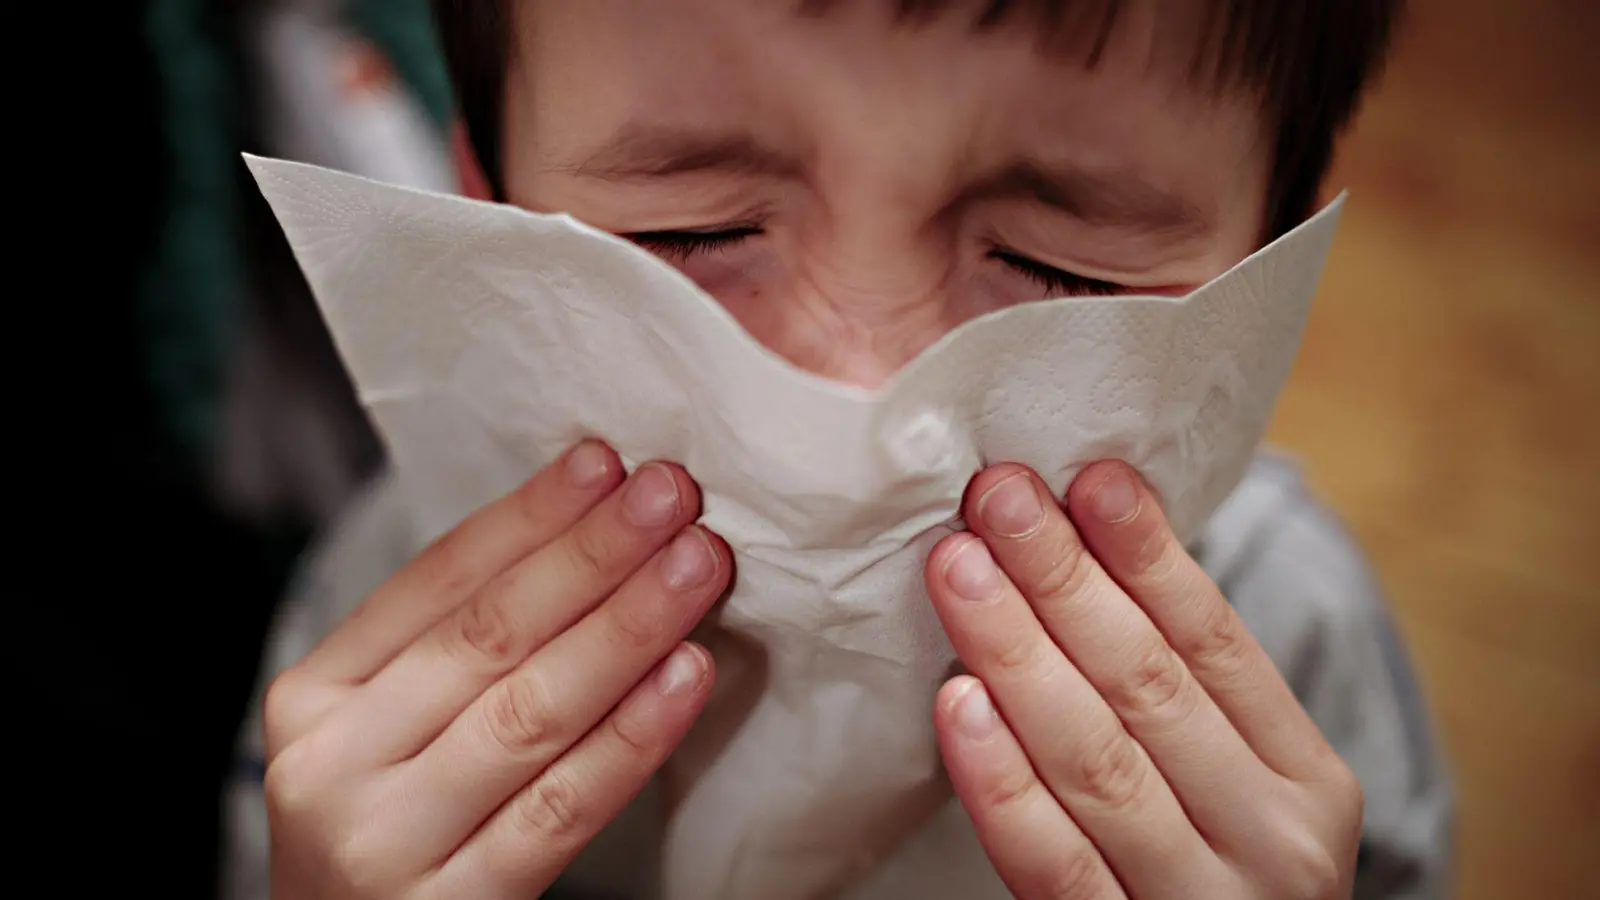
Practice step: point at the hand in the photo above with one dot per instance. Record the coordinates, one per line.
(491, 706)
(1124, 736)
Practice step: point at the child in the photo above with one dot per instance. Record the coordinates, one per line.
(852, 180)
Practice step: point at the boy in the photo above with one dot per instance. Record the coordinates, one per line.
(852, 180)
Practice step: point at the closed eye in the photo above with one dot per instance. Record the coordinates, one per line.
(1056, 282)
(679, 246)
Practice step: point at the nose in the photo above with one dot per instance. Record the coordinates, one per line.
(856, 319)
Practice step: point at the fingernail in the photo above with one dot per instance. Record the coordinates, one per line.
(652, 497)
(1116, 500)
(689, 562)
(588, 465)
(1012, 508)
(972, 573)
(975, 714)
(682, 672)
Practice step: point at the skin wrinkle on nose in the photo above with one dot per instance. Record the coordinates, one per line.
(862, 330)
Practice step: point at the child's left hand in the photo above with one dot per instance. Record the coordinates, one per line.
(1145, 746)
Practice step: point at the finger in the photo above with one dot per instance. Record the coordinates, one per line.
(537, 832)
(1125, 528)
(1082, 753)
(453, 567)
(434, 583)
(532, 716)
(517, 612)
(1127, 660)
(1035, 846)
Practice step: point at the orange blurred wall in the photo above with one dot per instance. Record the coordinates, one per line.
(1448, 404)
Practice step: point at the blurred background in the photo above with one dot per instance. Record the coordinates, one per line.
(1447, 403)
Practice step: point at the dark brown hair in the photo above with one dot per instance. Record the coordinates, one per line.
(1308, 60)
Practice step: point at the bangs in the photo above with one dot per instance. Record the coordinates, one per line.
(1077, 30)
(1307, 63)
(1278, 48)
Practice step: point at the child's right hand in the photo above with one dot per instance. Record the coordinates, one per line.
(487, 710)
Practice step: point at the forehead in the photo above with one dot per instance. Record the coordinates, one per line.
(1216, 43)
(858, 72)
(737, 48)
(1074, 30)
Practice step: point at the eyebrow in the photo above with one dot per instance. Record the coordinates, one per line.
(1113, 199)
(1116, 199)
(638, 151)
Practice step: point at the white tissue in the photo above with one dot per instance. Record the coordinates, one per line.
(485, 340)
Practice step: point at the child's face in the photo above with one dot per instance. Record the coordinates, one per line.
(862, 186)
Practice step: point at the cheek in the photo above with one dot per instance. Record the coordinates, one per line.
(992, 287)
(757, 290)
(731, 277)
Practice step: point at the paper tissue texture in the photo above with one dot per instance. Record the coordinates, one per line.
(485, 340)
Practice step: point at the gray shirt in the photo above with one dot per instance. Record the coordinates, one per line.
(1286, 564)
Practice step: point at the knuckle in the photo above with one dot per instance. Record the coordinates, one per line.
(294, 780)
(640, 734)
(550, 810)
(517, 716)
(1018, 656)
(1346, 798)
(1157, 560)
(1355, 796)
(446, 566)
(484, 632)
(532, 504)
(282, 702)
(284, 788)
(1077, 876)
(1218, 646)
(1157, 685)
(359, 862)
(633, 626)
(1306, 869)
(1010, 790)
(590, 550)
(1112, 771)
(1066, 573)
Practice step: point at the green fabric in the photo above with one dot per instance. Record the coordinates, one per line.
(403, 29)
(191, 295)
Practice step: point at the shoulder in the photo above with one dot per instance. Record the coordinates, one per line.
(1304, 587)
(1273, 520)
(1303, 583)
(1287, 563)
